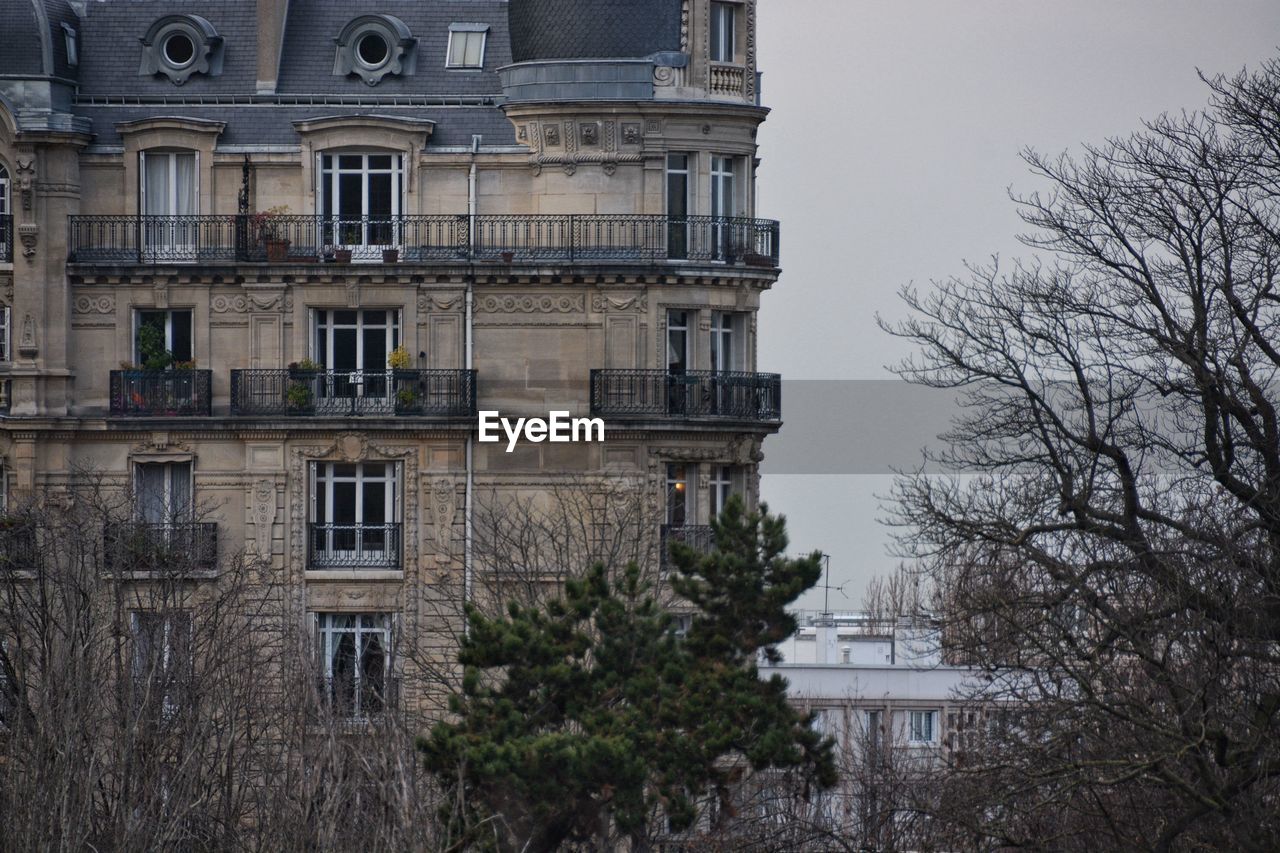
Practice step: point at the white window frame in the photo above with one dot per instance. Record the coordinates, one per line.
(168, 328)
(468, 32)
(325, 473)
(328, 634)
(323, 321)
(69, 39)
(723, 35)
(724, 186)
(171, 203)
(684, 326)
(725, 332)
(171, 505)
(4, 189)
(917, 722)
(5, 333)
(720, 487)
(330, 183)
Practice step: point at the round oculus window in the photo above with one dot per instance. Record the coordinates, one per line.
(179, 50)
(372, 49)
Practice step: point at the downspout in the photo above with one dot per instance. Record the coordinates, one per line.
(467, 536)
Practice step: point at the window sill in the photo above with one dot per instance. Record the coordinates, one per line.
(354, 575)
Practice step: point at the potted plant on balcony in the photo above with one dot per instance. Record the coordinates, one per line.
(299, 394)
(268, 227)
(391, 255)
(398, 363)
(342, 256)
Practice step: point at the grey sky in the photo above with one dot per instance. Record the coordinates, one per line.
(888, 157)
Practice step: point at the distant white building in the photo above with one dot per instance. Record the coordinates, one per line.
(896, 711)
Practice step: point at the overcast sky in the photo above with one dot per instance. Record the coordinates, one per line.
(888, 157)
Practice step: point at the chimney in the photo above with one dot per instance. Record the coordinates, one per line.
(271, 22)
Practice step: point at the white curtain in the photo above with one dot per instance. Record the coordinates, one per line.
(156, 186)
(185, 184)
(170, 183)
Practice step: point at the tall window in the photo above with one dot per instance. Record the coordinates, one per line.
(360, 198)
(354, 509)
(162, 658)
(353, 347)
(725, 332)
(678, 188)
(677, 495)
(721, 488)
(355, 661)
(677, 341)
(162, 492)
(169, 189)
(922, 726)
(169, 183)
(4, 333)
(466, 45)
(162, 338)
(724, 44)
(723, 206)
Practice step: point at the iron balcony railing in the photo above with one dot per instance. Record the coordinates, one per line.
(690, 395)
(174, 548)
(353, 546)
(18, 548)
(640, 238)
(343, 393)
(161, 393)
(699, 537)
(6, 238)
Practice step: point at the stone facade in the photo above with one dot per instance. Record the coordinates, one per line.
(536, 240)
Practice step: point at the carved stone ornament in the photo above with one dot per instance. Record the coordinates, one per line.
(631, 133)
(589, 133)
(352, 447)
(27, 233)
(551, 135)
(263, 509)
(27, 341)
(26, 180)
(444, 508)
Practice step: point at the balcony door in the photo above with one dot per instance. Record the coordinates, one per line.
(169, 192)
(353, 513)
(678, 185)
(353, 346)
(355, 659)
(163, 493)
(360, 202)
(723, 207)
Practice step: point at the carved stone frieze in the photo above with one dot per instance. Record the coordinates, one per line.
(100, 304)
(529, 304)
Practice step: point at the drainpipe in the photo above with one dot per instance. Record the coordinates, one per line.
(467, 536)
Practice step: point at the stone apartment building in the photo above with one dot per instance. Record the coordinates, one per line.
(269, 258)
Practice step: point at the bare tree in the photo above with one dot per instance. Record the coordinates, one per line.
(1114, 561)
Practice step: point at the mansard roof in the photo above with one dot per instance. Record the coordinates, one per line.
(33, 44)
(593, 29)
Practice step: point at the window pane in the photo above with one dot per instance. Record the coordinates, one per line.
(474, 53)
(379, 161)
(151, 489)
(181, 347)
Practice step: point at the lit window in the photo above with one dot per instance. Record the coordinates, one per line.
(355, 662)
(923, 726)
(724, 46)
(466, 45)
(677, 495)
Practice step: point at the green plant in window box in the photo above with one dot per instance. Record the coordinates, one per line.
(151, 348)
(406, 398)
(399, 358)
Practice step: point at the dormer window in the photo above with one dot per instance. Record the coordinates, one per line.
(69, 39)
(374, 47)
(466, 46)
(179, 46)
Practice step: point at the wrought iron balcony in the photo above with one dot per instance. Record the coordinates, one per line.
(161, 393)
(512, 238)
(699, 537)
(691, 395)
(169, 548)
(344, 393)
(18, 549)
(6, 238)
(353, 546)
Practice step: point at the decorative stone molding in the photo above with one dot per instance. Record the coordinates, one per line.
(351, 447)
(25, 179)
(177, 46)
(27, 233)
(631, 133)
(251, 302)
(534, 304)
(602, 303)
(263, 508)
(444, 509)
(373, 47)
(27, 340)
(104, 304)
(438, 302)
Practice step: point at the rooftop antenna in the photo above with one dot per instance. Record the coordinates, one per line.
(827, 587)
